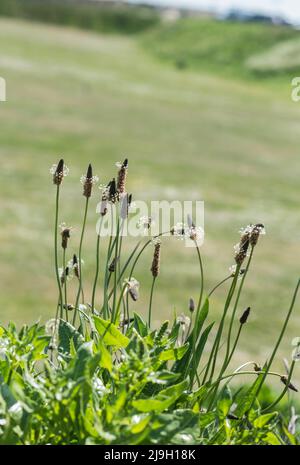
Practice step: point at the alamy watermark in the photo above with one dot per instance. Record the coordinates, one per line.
(182, 219)
(2, 89)
(295, 95)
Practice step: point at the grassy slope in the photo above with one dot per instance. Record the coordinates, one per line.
(188, 136)
(222, 47)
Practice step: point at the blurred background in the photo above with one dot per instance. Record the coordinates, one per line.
(197, 94)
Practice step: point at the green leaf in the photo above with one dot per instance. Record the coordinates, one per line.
(201, 345)
(263, 420)
(140, 325)
(105, 361)
(202, 317)
(245, 401)
(180, 366)
(162, 401)
(272, 439)
(110, 333)
(173, 354)
(66, 333)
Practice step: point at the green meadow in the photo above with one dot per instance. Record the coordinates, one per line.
(192, 128)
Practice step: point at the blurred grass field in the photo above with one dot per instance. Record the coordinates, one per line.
(192, 134)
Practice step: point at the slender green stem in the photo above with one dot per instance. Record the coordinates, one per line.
(113, 314)
(219, 335)
(232, 319)
(56, 252)
(150, 301)
(124, 268)
(80, 287)
(225, 364)
(65, 283)
(194, 333)
(106, 279)
(136, 261)
(279, 338)
(219, 285)
(228, 361)
(276, 401)
(215, 348)
(234, 344)
(96, 273)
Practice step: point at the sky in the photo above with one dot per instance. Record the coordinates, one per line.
(288, 9)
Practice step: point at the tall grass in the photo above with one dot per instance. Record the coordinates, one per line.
(111, 378)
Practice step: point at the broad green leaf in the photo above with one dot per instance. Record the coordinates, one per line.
(201, 345)
(202, 317)
(173, 354)
(66, 333)
(105, 360)
(272, 439)
(245, 401)
(139, 423)
(261, 421)
(140, 325)
(162, 401)
(180, 366)
(110, 333)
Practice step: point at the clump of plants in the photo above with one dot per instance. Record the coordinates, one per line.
(97, 373)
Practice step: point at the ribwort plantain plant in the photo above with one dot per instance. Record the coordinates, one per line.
(109, 377)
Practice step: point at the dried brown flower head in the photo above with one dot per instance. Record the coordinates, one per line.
(58, 172)
(155, 268)
(191, 305)
(284, 380)
(75, 266)
(257, 230)
(112, 266)
(65, 236)
(245, 316)
(122, 174)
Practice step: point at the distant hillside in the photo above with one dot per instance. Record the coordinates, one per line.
(223, 46)
(83, 14)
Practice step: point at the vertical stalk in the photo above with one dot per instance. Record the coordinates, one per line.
(225, 364)
(195, 336)
(97, 266)
(150, 301)
(79, 259)
(215, 347)
(266, 370)
(56, 252)
(65, 283)
(115, 285)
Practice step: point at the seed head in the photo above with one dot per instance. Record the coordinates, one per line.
(113, 195)
(155, 268)
(59, 171)
(75, 266)
(284, 380)
(112, 266)
(256, 367)
(245, 316)
(191, 305)
(88, 180)
(257, 230)
(65, 236)
(241, 248)
(122, 174)
(64, 275)
(133, 288)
